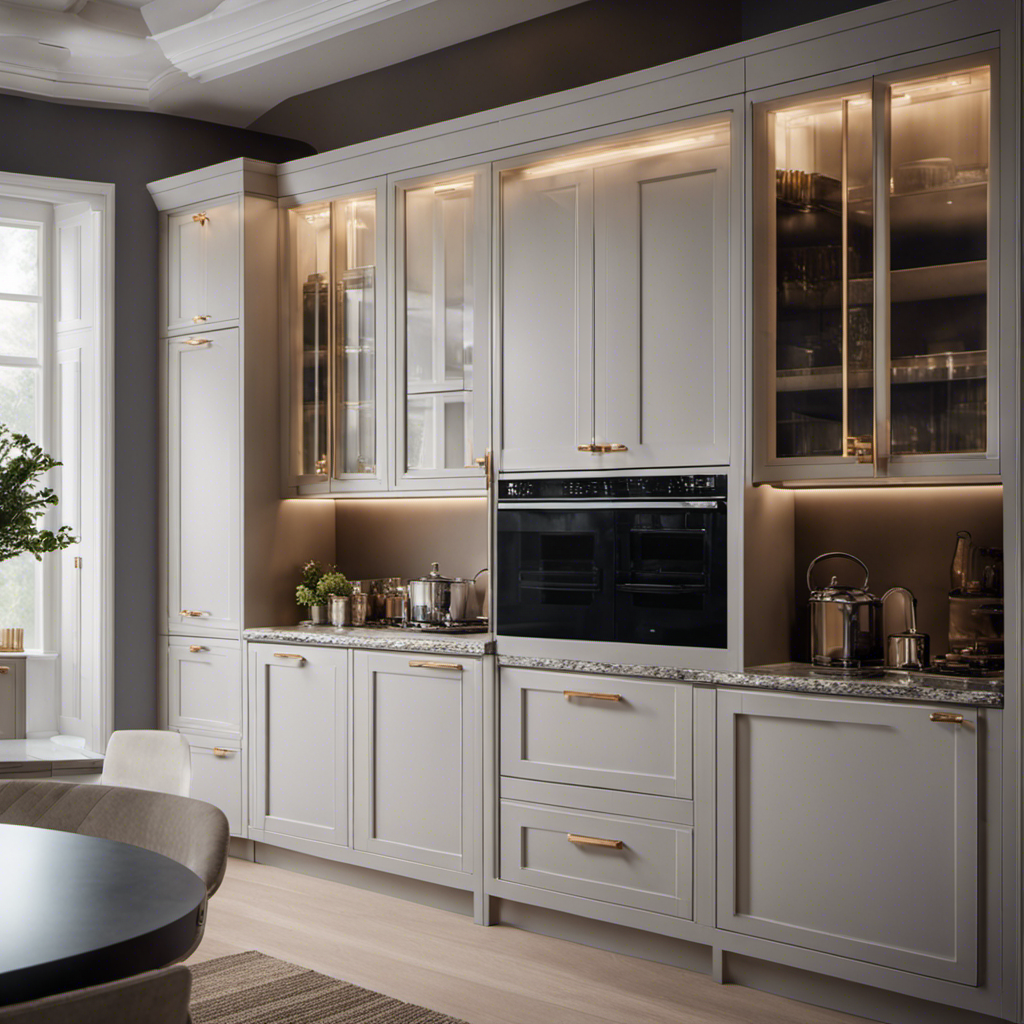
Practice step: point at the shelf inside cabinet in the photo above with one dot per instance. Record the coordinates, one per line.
(821, 378)
(948, 280)
(940, 367)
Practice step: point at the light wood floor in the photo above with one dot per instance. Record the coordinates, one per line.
(497, 975)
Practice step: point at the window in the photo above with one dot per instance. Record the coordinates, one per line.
(24, 335)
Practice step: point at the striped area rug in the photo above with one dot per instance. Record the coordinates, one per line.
(252, 988)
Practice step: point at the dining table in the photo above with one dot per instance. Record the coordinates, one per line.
(76, 910)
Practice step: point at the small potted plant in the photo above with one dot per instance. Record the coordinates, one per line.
(306, 593)
(336, 591)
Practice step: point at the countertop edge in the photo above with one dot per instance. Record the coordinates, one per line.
(470, 645)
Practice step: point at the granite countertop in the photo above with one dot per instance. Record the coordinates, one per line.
(47, 755)
(378, 638)
(797, 679)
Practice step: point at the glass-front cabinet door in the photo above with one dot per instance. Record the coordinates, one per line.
(872, 278)
(336, 324)
(442, 330)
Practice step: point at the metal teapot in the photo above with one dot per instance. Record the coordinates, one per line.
(846, 622)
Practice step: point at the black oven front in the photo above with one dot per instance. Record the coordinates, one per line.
(628, 559)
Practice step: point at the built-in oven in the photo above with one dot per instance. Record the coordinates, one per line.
(630, 559)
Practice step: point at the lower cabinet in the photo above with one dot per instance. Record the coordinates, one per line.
(204, 685)
(415, 782)
(218, 777)
(851, 827)
(12, 698)
(299, 741)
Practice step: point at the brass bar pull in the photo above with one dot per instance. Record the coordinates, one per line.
(947, 716)
(220, 752)
(4, 669)
(300, 658)
(569, 694)
(201, 318)
(192, 614)
(602, 448)
(195, 648)
(611, 844)
(196, 341)
(444, 666)
(200, 218)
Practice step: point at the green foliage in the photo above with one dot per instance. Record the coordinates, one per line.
(312, 573)
(23, 501)
(305, 596)
(332, 584)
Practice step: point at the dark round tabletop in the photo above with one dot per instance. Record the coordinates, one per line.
(78, 911)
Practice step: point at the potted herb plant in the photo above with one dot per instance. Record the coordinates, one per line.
(306, 593)
(336, 591)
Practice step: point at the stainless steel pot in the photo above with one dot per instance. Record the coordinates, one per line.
(437, 600)
(846, 622)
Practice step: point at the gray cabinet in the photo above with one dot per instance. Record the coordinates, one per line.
(204, 685)
(218, 777)
(616, 304)
(299, 719)
(415, 776)
(12, 698)
(851, 827)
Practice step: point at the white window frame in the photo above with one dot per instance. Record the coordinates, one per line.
(98, 674)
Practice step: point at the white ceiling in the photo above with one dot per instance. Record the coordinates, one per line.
(226, 60)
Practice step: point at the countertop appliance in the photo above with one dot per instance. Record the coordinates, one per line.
(627, 559)
(437, 600)
(846, 623)
(975, 607)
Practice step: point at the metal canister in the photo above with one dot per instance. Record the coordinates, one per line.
(846, 622)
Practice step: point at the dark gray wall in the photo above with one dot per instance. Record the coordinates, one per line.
(129, 149)
(760, 17)
(581, 44)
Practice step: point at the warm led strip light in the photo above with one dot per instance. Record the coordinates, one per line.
(652, 147)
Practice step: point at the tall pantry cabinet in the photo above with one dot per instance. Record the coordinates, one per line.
(230, 547)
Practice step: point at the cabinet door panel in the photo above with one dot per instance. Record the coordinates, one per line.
(414, 755)
(203, 483)
(547, 320)
(204, 685)
(662, 309)
(217, 778)
(300, 742)
(202, 267)
(850, 827)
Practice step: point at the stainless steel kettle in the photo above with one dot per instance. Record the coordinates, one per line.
(846, 622)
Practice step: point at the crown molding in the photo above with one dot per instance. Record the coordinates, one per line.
(75, 88)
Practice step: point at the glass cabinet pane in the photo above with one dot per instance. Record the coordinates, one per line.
(333, 274)
(439, 311)
(938, 271)
(818, 275)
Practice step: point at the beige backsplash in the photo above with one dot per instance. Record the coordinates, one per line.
(401, 537)
(905, 535)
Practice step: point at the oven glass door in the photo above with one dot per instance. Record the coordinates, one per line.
(670, 576)
(555, 573)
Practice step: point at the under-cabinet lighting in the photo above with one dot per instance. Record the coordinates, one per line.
(652, 147)
(933, 85)
(861, 101)
(312, 218)
(452, 186)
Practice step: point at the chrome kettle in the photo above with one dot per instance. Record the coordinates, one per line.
(846, 622)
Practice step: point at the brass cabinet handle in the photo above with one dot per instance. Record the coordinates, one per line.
(202, 318)
(300, 658)
(193, 614)
(947, 716)
(196, 341)
(200, 218)
(602, 448)
(569, 694)
(196, 648)
(611, 844)
(4, 669)
(444, 666)
(220, 752)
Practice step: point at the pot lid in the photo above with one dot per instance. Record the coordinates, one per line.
(436, 577)
(839, 594)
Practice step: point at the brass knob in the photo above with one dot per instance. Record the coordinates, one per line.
(200, 218)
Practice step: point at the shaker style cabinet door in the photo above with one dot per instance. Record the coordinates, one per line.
(218, 777)
(851, 827)
(203, 483)
(298, 740)
(203, 267)
(204, 685)
(414, 751)
(615, 313)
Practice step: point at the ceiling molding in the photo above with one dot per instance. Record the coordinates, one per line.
(235, 37)
(77, 88)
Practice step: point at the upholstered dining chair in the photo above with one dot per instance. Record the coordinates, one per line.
(153, 759)
(156, 997)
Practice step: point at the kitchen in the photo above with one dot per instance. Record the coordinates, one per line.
(491, 350)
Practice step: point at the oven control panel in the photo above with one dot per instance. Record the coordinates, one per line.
(612, 488)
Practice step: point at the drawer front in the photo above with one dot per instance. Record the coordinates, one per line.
(650, 867)
(641, 742)
(204, 685)
(217, 778)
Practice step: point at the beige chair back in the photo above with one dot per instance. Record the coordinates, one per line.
(152, 759)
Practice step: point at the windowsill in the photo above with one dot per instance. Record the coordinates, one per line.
(34, 655)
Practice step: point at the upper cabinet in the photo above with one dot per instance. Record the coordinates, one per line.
(442, 329)
(874, 262)
(615, 292)
(337, 326)
(202, 259)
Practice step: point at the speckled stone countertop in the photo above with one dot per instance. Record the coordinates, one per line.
(797, 679)
(380, 638)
